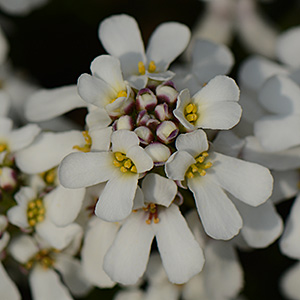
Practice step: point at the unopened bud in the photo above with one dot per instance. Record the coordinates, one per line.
(167, 131)
(145, 135)
(166, 92)
(145, 100)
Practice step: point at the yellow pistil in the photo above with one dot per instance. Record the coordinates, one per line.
(49, 176)
(88, 143)
(199, 167)
(35, 212)
(124, 163)
(43, 257)
(190, 112)
(151, 67)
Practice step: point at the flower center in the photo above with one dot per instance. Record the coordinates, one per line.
(43, 257)
(190, 113)
(35, 212)
(124, 163)
(3, 147)
(153, 213)
(120, 94)
(88, 143)
(199, 167)
(49, 176)
(142, 68)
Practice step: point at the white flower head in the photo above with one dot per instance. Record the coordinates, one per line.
(120, 36)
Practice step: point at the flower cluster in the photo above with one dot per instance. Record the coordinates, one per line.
(165, 153)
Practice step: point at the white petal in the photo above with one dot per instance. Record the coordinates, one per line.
(23, 248)
(4, 240)
(166, 43)
(193, 142)
(95, 91)
(22, 137)
(47, 151)
(116, 201)
(288, 47)
(140, 158)
(45, 284)
(47, 104)
(210, 59)
(158, 152)
(9, 290)
(158, 189)
(262, 225)
(280, 95)
(17, 215)
(98, 238)
(223, 270)
(163, 76)
(219, 216)
(4, 104)
(126, 260)
(177, 165)
(255, 70)
(98, 118)
(120, 36)
(130, 294)
(290, 240)
(100, 138)
(57, 237)
(123, 140)
(85, 169)
(276, 133)
(220, 88)
(108, 68)
(72, 274)
(248, 182)
(64, 205)
(290, 282)
(6, 126)
(181, 255)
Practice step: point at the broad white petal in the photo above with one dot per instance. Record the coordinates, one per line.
(177, 165)
(98, 118)
(276, 133)
(100, 138)
(45, 284)
(219, 216)
(262, 225)
(290, 241)
(248, 182)
(116, 200)
(121, 37)
(47, 151)
(4, 104)
(181, 255)
(255, 70)
(47, 104)
(210, 59)
(57, 237)
(193, 142)
(140, 158)
(85, 169)
(98, 238)
(72, 274)
(220, 88)
(123, 140)
(280, 95)
(166, 43)
(6, 126)
(23, 248)
(64, 205)
(108, 68)
(95, 91)
(9, 290)
(126, 260)
(22, 137)
(163, 76)
(290, 282)
(158, 189)
(17, 215)
(288, 47)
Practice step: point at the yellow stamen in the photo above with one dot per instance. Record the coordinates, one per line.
(123, 169)
(152, 67)
(190, 112)
(128, 164)
(35, 212)
(117, 163)
(133, 169)
(3, 147)
(88, 143)
(189, 108)
(122, 94)
(120, 156)
(156, 220)
(124, 163)
(141, 67)
(199, 167)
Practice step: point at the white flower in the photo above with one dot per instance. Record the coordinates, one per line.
(32, 212)
(213, 107)
(121, 167)
(289, 282)
(121, 38)
(20, 7)
(182, 257)
(209, 175)
(45, 264)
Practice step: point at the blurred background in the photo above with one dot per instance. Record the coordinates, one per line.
(55, 44)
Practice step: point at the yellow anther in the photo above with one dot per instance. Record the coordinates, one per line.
(156, 220)
(117, 163)
(0, 171)
(207, 165)
(133, 169)
(122, 94)
(39, 203)
(205, 154)
(3, 147)
(200, 159)
(194, 168)
(152, 67)
(40, 218)
(88, 143)
(31, 222)
(141, 67)
(191, 117)
(128, 163)
(30, 214)
(31, 204)
(202, 172)
(152, 205)
(148, 221)
(120, 156)
(189, 108)
(189, 175)
(123, 169)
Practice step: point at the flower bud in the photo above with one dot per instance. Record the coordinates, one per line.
(167, 131)
(145, 135)
(145, 99)
(166, 92)
(142, 118)
(8, 179)
(162, 112)
(124, 122)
